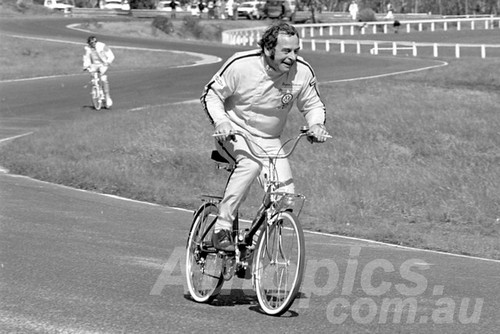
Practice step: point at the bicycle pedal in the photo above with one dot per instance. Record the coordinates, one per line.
(244, 273)
(228, 268)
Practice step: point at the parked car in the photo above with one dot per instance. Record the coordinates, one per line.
(114, 4)
(303, 15)
(279, 9)
(251, 9)
(195, 11)
(65, 6)
(165, 6)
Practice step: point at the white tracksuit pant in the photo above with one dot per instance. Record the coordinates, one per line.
(248, 168)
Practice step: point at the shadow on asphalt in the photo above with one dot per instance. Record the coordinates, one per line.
(234, 297)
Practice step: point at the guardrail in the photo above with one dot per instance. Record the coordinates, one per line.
(97, 12)
(404, 48)
(250, 37)
(137, 13)
(402, 26)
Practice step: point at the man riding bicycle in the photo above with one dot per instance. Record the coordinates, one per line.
(253, 93)
(97, 58)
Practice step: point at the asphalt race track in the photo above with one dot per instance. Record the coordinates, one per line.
(79, 262)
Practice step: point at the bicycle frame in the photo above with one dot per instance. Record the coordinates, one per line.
(272, 203)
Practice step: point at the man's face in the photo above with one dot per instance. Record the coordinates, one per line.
(284, 54)
(92, 44)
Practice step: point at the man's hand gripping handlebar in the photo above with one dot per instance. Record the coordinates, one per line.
(316, 134)
(304, 131)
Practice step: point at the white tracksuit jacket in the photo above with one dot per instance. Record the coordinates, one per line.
(101, 55)
(249, 93)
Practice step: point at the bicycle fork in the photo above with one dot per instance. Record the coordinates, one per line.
(97, 84)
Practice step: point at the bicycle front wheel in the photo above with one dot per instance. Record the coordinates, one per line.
(96, 98)
(203, 266)
(279, 264)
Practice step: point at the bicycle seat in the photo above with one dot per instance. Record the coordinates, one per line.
(217, 157)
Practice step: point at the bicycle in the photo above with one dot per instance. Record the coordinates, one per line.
(275, 236)
(96, 91)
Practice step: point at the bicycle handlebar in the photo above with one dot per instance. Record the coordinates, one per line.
(303, 132)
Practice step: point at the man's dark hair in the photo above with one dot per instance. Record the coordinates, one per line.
(91, 38)
(269, 39)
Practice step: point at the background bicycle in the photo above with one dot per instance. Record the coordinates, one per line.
(97, 92)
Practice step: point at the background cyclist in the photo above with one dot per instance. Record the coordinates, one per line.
(253, 92)
(98, 56)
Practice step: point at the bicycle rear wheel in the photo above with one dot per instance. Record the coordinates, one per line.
(279, 264)
(203, 265)
(96, 98)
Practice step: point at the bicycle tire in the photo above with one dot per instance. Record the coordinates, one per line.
(279, 264)
(96, 98)
(203, 265)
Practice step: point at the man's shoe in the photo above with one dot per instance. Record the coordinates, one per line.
(109, 102)
(222, 241)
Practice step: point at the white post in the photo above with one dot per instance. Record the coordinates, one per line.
(375, 48)
(433, 26)
(408, 28)
(341, 31)
(321, 31)
(313, 44)
(457, 50)
(330, 31)
(394, 49)
(483, 51)
(445, 28)
(414, 49)
(358, 47)
(459, 25)
(420, 26)
(435, 50)
(342, 47)
(385, 28)
(327, 46)
(352, 30)
(311, 31)
(472, 25)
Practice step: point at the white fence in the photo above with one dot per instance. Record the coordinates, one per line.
(317, 37)
(137, 13)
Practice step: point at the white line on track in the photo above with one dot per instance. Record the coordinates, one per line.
(440, 64)
(305, 231)
(205, 59)
(15, 137)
